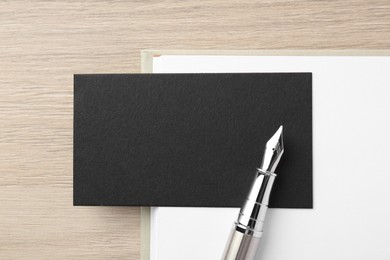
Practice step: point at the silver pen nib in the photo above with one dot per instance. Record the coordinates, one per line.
(273, 151)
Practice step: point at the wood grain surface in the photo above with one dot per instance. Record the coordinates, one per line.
(43, 43)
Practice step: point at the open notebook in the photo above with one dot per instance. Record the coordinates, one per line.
(351, 122)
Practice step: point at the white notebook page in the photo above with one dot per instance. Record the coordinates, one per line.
(351, 150)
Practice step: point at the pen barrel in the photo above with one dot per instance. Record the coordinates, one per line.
(242, 245)
(245, 237)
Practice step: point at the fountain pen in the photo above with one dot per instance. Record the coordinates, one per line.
(245, 237)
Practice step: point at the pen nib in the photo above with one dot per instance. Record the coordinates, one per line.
(273, 151)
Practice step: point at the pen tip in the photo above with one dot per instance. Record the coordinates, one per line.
(279, 132)
(274, 150)
(276, 141)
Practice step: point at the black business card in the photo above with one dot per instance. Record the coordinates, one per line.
(189, 139)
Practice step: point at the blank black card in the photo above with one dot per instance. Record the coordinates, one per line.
(189, 139)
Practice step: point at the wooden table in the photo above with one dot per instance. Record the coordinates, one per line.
(43, 43)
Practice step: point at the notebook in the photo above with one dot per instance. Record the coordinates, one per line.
(351, 93)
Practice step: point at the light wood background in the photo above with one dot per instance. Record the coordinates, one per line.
(43, 43)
